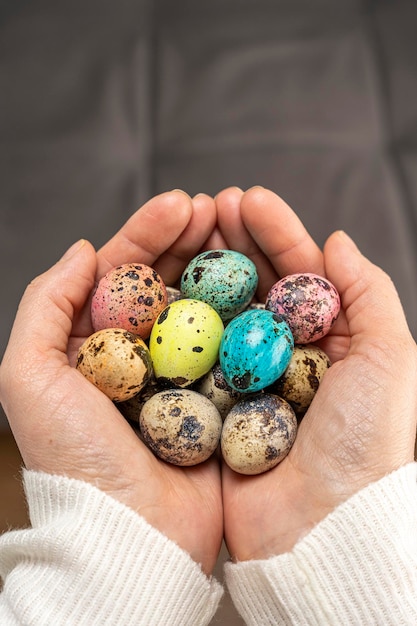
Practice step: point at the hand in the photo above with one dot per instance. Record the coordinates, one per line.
(64, 425)
(362, 422)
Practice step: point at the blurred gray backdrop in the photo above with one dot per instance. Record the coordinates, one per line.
(104, 104)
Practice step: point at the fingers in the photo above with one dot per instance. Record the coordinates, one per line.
(190, 241)
(237, 236)
(150, 231)
(262, 226)
(164, 233)
(279, 233)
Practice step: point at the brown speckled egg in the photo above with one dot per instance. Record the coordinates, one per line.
(130, 296)
(130, 409)
(258, 433)
(116, 361)
(214, 386)
(174, 294)
(181, 426)
(301, 379)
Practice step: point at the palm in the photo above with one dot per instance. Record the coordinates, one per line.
(341, 444)
(184, 503)
(64, 425)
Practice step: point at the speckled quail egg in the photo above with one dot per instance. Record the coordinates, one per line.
(173, 294)
(215, 387)
(225, 279)
(309, 303)
(255, 350)
(131, 408)
(181, 426)
(129, 296)
(300, 381)
(258, 433)
(116, 361)
(184, 342)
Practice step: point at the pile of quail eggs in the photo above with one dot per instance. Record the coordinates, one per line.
(204, 365)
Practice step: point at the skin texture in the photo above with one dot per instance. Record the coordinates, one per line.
(64, 425)
(360, 426)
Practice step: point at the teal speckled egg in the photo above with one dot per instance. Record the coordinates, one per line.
(255, 350)
(224, 279)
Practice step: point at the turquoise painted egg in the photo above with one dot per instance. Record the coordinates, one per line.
(224, 279)
(184, 342)
(255, 350)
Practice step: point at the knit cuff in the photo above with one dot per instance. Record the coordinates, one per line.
(88, 559)
(357, 566)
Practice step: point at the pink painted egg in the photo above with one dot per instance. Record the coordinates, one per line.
(308, 303)
(130, 296)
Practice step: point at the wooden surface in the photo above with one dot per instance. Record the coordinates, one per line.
(12, 501)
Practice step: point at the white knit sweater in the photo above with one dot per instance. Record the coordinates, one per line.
(88, 560)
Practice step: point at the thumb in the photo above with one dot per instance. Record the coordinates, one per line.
(51, 302)
(369, 298)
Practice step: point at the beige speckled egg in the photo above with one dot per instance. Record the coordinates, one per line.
(181, 426)
(301, 379)
(116, 361)
(214, 386)
(258, 433)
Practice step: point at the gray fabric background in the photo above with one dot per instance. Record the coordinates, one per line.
(104, 104)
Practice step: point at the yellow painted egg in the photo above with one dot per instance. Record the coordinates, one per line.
(184, 342)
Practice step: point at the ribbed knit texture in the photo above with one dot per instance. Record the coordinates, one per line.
(89, 560)
(357, 567)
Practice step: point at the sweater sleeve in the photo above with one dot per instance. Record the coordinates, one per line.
(357, 566)
(89, 560)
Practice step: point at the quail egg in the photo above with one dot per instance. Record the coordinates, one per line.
(310, 305)
(180, 426)
(258, 433)
(116, 361)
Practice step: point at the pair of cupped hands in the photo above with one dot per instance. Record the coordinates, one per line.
(360, 426)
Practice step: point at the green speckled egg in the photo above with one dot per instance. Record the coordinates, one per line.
(225, 279)
(184, 342)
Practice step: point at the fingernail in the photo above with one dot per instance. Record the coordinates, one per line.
(348, 240)
(255, 187)
(197, 195)
(73, 249)
(182, 191)
(228, 189)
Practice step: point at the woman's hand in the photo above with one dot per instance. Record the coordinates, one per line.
(361, 424)
(64, 425)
